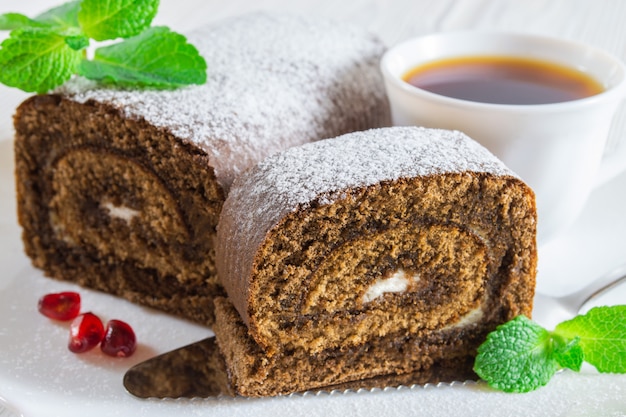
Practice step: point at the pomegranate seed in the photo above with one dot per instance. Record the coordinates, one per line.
(119, 339)
(60, 306)
(86, 331)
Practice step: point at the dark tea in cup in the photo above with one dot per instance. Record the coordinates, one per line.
(503, 80)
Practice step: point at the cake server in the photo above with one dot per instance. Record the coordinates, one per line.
(198, 370)
(195, 370)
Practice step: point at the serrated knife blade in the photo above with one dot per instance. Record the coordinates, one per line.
(198, 370)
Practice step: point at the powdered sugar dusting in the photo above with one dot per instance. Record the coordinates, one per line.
(325, 171)
(274, 81)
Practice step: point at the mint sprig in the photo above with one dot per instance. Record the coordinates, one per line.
(44, 52)
(521, 356)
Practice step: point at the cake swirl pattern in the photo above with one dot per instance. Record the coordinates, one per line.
(121, 190)
(407, 243)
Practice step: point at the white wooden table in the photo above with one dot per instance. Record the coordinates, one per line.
(39, 377)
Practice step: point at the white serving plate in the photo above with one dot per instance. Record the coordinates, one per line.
(40, 377)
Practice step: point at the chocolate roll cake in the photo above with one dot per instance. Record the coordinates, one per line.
(121, 190)
(378, 252)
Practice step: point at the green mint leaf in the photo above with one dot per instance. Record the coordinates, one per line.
(516, 357)
(110, 19)
(77, 42)
(64, 16)
(11, 21)
(569, 355)
(61, 17)
(156, 58)
(602, 333)
(36, 60)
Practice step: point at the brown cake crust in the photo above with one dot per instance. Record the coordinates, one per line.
(399, 242)
(252, 373)
(121, 190)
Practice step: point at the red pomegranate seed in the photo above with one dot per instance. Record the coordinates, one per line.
(60, 306)
(86, 331)
(119, 339)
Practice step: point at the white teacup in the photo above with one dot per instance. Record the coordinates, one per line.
(556, 148)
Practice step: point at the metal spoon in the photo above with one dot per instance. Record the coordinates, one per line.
(6, 410)
(552, 310)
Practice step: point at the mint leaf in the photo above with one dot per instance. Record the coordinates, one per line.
(36, 60)
(111, 19)
(61, 17)
(77, 42)
(11, 21)
(64, 16)
(156, 58)
(569, 355)
(516, 357)
(602, 333)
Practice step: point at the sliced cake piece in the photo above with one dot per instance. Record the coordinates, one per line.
(374, 253)
(121, 190)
